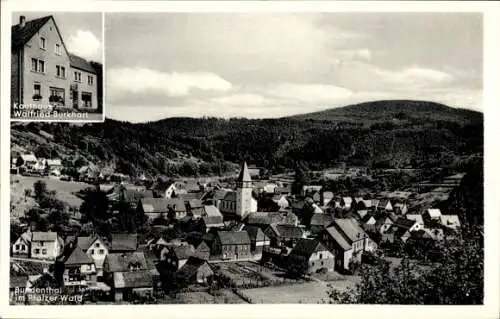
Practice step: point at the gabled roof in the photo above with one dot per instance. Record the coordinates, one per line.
(78, 257)
(306, 247)
(28, 157)
(234, 237)
(161, 205)
(21, 36)
(244, 175)
(230, 196)
(85, 242)
(44, 236)
(289, 231)
(121, 262)
(123, 242)
(327, 195)
(384, 203)
(190, 268)
(404, 223)
(351, 228)
(133, 279)
(183, 251)
(434, 212)
(451, 221)
(80, 63)
(321, 219)
(416, 217)
(338, 237)
(263, 218)
(255, 233)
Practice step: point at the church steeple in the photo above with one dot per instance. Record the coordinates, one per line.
(244, 174)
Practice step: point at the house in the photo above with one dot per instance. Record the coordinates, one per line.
(327, 197)
(176, 256)
(270, 188)
(79, 270)
(46, 245)
(54, 164)
(281, 200)
(310, 189)
(408, 224)
(123, 243)
(195, 271)
(231, 245)
(400, 208)
(450, 221)
(385, 205)
(96, 249)
(165, 189)
(212, 217)
(128, 273)
(162, 207)
(27, 161)
(396, 235)
(416, 217)
(44, 72)
(314, 253)
(287, 218)
(319, 222)
(284, 235)
(202, 251)
(263, 219)
(348, 241)
(346, 203)
(21, 246)
(384, 224)
(432, 214)
(120, 192)
(258, 240)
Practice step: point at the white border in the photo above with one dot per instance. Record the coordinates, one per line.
(492, 190)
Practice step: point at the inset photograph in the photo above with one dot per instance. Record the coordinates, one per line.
(57, 66)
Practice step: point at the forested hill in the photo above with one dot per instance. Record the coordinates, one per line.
(387, 135)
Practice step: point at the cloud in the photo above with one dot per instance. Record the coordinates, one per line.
(172, 84)
(308, 93)
(415, 76)
(362, 54)
(85, 44)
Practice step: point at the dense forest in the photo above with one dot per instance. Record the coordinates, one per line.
(385, 134)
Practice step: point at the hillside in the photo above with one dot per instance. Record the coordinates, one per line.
(394, 110)
(377, 134)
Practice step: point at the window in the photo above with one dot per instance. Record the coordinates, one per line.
(91, 251)
(44, 251)
(23, 247)
(37, 65)
(91, 80)
(101, 251)
(97, 245)
(58, 49)
(60, 71)
(78, 76)
(37, 251)
(37, 91)
(43, 42)
(320, 256)
(87, 99)
(18, 247)
(42, 243)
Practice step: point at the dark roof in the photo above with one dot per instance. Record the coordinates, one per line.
(133, 279)
(350, 227)
(404, 223)
(339, 239)
(190, 196)
(306, 247)
(44, 236)
(255, 233)
(20, 36)
(123, 242)
(121, 262)
(234, 237)
(85, 242)
(161, 205)
(190, 268)
(321, 219)
(183, 251)
(289, 231)
(264, 218)
(80, 63)
(78, 257)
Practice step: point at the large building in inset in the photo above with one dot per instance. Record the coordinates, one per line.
(44, 72)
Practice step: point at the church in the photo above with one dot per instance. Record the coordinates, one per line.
(241, 202)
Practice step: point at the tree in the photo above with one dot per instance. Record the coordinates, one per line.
(40, 188)
(296, 266)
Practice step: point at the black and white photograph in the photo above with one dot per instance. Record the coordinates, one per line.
(250, 158)
(57, 66)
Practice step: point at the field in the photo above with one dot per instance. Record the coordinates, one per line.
(64, 192)
(224, 296)
(313, 292)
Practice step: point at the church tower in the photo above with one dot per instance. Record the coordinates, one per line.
(244, 193)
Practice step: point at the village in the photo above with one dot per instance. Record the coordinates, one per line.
(243, 239)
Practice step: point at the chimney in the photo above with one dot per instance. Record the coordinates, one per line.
(22, 21)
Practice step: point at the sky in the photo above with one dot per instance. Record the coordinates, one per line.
(262, 65)
(81, 31)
